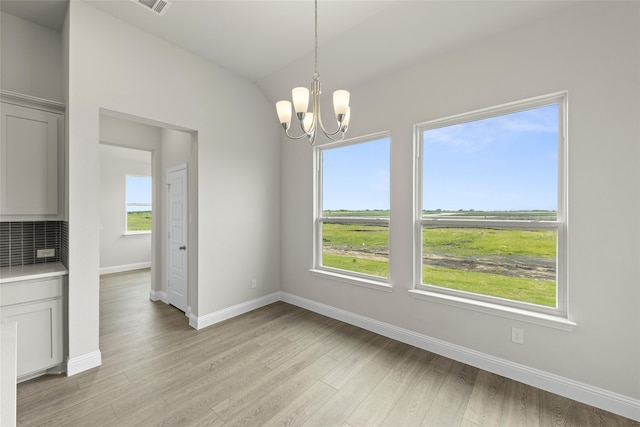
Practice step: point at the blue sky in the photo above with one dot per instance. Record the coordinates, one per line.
(508, 162)
(356, 177)
(138, 191)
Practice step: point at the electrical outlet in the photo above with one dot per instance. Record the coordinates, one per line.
(45, 253)
(517, 335)
(254, 283)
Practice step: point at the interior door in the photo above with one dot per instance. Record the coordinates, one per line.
(178, 244)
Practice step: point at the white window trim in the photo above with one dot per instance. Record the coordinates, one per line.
(344, 276)
(128, 233)
(137, 233)
(499, 310)
(554, 317)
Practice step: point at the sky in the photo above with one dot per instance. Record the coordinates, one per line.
(508, 162)
(356, 177)
(138, 191)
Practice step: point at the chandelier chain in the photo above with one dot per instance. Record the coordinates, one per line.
(315, 38)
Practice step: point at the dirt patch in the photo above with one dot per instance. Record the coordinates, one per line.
(530, 268)
(512, 266)
(364, 253)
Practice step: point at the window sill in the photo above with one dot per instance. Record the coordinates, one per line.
(136, 233)
(496, 310)
(353, 280)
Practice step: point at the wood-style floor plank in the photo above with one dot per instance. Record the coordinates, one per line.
(521, 406)
(279, 365)
(412, 407)
(452, 398)
(302, 407)
(375, 408)
(348, 398)
(487, 398)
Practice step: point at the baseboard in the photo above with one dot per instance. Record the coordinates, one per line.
(236, 310)
(590, 395)
(125, 267)
(75, 365)
(158, 296)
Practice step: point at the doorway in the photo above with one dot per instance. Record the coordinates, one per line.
(171, 147)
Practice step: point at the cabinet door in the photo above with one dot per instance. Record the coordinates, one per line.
(29, 158)
(39, 334)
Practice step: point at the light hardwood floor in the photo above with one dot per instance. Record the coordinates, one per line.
(278, 365)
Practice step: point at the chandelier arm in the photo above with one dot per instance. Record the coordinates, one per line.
(330, 134)
(313, 129)
(286, 132)
(317, 116)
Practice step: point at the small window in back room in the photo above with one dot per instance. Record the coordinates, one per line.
(138, 195)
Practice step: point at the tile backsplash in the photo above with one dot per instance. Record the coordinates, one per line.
(20, 241)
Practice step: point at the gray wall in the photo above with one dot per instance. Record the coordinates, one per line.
(593, 51)
(31, 59)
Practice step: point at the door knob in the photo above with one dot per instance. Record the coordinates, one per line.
(182, 248)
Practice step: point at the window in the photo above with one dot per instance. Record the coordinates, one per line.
(138, 195)
(490, 211)
(352, 209)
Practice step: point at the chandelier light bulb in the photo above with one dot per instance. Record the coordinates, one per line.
(300, 96)
(345, 121)
(340, 103)
(307, 123)
(284, 113)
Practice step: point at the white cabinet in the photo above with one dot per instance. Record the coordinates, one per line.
(8, 390)
(36, 306)
(31, 160)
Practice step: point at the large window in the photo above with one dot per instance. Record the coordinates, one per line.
(352, 209)
(138, 195)
(490, 216)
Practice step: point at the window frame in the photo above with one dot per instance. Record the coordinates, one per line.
(346, 276)
(128, 232)
(487, 303)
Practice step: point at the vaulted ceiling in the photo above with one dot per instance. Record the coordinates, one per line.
(271, 42)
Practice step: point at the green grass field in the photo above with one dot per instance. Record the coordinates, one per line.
(515, 264)
(489, 242)
(139, 221)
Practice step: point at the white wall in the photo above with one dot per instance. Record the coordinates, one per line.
(593, 51)
(31, 59)
(120, 252)
(114, 66)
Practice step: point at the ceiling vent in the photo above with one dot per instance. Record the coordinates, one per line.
(157, 6)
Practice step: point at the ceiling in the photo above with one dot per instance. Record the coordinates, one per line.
(125, 153)
(48, 13)
(271, 42)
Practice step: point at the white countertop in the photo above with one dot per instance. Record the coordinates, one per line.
(28, 272)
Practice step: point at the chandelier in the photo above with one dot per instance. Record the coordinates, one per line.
(311, 121)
